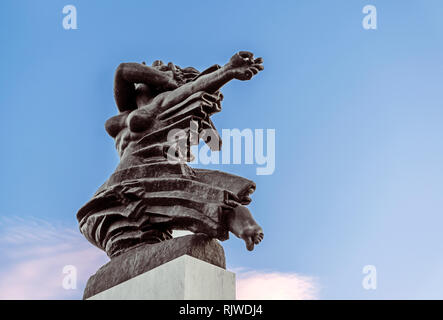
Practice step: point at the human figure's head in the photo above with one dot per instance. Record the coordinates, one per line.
(180, 75)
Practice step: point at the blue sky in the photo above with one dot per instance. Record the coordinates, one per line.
(357, 114)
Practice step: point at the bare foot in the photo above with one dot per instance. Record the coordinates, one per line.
(242, 224)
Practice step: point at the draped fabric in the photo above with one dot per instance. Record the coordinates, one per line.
(152, 193)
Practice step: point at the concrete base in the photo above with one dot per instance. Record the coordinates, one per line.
(184, 278)
(146, 257)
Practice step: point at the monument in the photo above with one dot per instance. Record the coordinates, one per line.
(163, 111)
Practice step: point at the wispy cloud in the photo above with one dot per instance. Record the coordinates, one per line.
(34, 251)
(25, 230)
(260, 285)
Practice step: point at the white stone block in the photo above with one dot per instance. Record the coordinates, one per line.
(184, 278)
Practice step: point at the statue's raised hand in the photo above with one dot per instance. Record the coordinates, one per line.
(244, 66)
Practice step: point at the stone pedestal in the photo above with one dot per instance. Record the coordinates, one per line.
(188, 267)
(184, 278)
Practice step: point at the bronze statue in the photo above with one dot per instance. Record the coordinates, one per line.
(149, 195)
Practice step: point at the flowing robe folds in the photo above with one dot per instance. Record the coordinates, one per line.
(151, 193)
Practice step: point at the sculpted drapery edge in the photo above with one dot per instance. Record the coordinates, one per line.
(149, 195)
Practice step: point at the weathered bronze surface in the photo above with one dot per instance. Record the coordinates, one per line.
(153, 191)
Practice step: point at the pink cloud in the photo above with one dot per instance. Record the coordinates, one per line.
(35, 251)
(42, 277)
(275, 286)
(34, 254)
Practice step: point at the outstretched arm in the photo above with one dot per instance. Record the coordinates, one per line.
(241, 66)
(127, 74)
